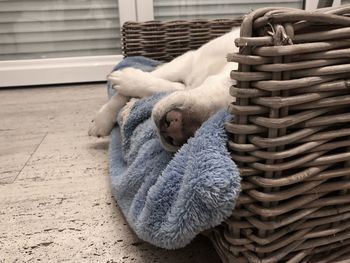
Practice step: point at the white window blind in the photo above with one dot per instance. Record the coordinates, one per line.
(211, 9)
(39, 29)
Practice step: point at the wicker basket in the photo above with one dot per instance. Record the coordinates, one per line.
(167, 40)
(290, 138)
(290, 135)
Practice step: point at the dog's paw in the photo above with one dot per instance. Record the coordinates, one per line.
(102, 124)
(130, 82)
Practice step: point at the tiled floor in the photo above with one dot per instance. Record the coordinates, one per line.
(55, 200)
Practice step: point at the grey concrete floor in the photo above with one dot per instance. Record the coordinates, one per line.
(55, 198)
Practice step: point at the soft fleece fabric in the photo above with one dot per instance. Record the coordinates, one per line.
(168, 199)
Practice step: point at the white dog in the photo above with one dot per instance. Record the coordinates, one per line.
(200, 79)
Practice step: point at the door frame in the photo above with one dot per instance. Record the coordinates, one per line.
(28, 72)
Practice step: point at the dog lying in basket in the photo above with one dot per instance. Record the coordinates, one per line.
(200, 80)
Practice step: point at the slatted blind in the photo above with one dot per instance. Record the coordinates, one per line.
(212, 9)
(58, 28)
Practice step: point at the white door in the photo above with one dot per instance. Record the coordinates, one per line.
(212, 9)
(58, 41)
(67, 41)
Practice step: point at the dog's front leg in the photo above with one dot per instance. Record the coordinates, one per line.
(170, 76)
(136, 83)
(105, 119)
(178, 69)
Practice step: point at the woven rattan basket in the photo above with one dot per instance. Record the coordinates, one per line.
(166, 40)
(290, 138)
(290, 135)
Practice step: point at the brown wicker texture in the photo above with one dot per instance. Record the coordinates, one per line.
(167, 40)
(291, 138)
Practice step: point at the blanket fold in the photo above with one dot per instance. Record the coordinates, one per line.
(169, 198)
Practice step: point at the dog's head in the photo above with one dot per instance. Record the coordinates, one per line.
(177, 117)
(176, 126)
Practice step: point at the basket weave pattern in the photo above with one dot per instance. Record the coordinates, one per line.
(291, 138)
(166, 40)
(291, 132)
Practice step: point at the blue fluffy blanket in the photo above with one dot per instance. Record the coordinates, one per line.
(168, 199)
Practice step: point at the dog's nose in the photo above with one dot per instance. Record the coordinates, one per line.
(172, 128)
